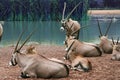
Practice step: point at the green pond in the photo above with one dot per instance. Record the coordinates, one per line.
(48, 32)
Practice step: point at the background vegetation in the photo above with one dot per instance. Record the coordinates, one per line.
(104, 4)
(43, 10)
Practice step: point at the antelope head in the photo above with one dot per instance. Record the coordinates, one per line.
(104, 36)
(116, 50)
(16, 51)
(65, 20)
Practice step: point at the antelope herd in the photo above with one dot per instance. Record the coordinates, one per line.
(77, 52)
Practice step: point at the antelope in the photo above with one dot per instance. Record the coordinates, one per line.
(1, 31)
(34, 65)
(84, 49)
(105, 44)
(67, 22)
(78, 62)
(116, 50)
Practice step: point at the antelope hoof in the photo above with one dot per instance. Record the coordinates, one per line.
(23, 75)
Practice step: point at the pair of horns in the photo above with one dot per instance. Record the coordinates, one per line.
(107, 27)
(70, 12)
(28, 37)
(114, 42)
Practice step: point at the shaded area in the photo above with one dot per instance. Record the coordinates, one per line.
(44, 10)
(104, 4)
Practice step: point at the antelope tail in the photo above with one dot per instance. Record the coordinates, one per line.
(98, 49)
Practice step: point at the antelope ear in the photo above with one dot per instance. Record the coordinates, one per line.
(69, 19)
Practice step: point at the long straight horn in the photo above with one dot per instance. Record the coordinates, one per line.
(29, 36)
(64, 11)
(117, 41)
(74, 32)
(99, 27)
(19, 39)
(70, 46)
(113, 41)
(109, 26)
(73, 10)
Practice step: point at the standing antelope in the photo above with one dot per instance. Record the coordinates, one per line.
(35, 65)
(116, 50)
(105, 43)
(71, 26)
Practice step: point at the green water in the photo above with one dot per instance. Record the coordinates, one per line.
(48, 32)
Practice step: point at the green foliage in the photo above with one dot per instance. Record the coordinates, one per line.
(37, 10)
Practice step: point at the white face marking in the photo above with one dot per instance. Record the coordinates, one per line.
(66, 49)
(62, 29)
(63, 42)
(10, 64)
(13, 60)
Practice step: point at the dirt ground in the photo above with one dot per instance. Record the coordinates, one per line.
(102, 67)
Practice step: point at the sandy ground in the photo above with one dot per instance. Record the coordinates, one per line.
(102, 67)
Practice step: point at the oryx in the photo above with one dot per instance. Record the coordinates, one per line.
(84, 49)
(35, 65)
(1, 31)
(105, 44)
(116, 50)
(71, 26)
(78, 62)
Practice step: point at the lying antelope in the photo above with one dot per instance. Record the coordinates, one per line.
(105, 44)
(116, 50)
(71, 26)
(84, 49)
(77, 61)
(35, 65)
